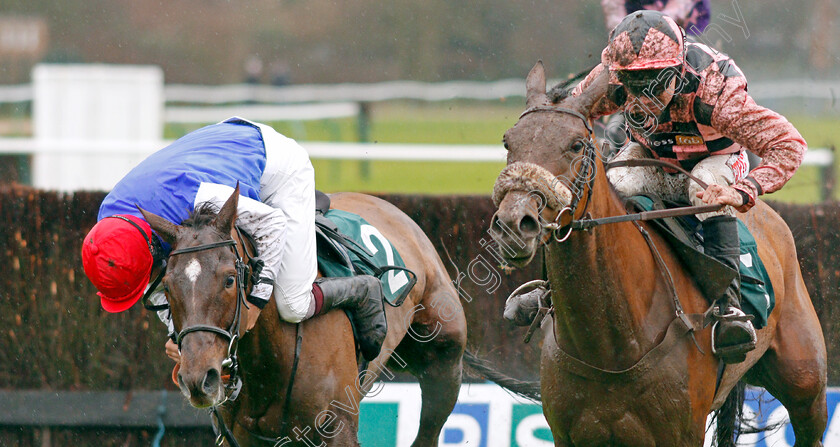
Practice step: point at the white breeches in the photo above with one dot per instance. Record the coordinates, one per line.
(716, 169)
(288, 184)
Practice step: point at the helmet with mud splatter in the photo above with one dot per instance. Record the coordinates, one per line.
(645, 40)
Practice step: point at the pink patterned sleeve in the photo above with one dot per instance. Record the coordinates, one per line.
(764, 132)
(604, 105)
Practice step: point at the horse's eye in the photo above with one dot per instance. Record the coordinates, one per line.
(507, 148)
(165, 288)
(230, 281)
(577, 146)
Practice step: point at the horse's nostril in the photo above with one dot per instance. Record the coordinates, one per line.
(211, 381)
(528, 225)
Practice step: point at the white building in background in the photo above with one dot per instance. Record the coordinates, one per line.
(108, 111)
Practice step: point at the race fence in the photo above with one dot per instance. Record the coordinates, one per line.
(57, 340)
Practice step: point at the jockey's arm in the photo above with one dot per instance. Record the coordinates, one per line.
(764, 132)
(266, 224)
(157, 298)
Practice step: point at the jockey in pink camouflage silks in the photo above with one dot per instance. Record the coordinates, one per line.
(687, 104)
(692, 15)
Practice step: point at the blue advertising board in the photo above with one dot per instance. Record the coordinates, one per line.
(488, 416)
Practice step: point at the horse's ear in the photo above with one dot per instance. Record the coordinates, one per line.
(586, 100)
(164, 228)
(227, 215)
(535, 86)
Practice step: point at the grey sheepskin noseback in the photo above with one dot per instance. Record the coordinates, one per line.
(521, 176)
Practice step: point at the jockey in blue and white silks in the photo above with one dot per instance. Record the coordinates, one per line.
(277, 203)
(276, 206)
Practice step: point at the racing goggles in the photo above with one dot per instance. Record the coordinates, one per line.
(647, 82)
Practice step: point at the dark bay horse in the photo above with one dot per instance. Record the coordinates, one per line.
(604, 380)
(426, 336)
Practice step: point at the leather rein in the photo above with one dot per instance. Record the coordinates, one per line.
(586, 178)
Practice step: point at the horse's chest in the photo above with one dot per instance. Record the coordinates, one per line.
(651, 410)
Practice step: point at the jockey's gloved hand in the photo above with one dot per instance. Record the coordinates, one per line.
(261, 293)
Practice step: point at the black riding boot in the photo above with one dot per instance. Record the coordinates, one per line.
(362, 296)
(734, 335)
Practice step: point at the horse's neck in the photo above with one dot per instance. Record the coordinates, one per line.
(604, 286)
(265, 358)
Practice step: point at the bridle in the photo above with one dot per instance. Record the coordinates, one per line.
(248, 269)
(584, 177)
(244, 272)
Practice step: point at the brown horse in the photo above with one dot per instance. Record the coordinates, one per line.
(426, 336)
(612, 372)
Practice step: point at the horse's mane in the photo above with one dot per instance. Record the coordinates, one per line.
(201, 216)
(564, 88)
(558, 93)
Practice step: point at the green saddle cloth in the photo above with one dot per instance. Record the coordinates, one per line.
(368, 252)
(757, 296)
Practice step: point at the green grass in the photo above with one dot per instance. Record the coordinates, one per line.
(468, 122)
(807, 183)
(455, 123)
(406, 177)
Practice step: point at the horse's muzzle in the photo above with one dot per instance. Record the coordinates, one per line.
(516, 228)
(200, 377)
(521, 193)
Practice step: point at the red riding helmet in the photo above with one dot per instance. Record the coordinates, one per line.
(644, 40)
(117, 257)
